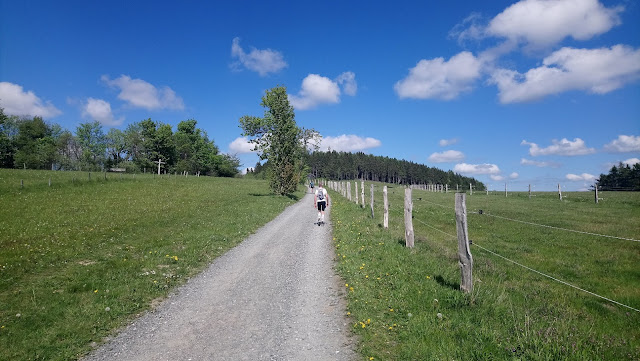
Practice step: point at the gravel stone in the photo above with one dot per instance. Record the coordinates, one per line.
(273, 297)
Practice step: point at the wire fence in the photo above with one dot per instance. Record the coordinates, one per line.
(531, 269)
(475, 243)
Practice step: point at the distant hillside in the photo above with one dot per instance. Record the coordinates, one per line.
(343, 165)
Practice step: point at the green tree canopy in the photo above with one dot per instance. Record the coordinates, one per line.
(278, 140)
(622, 177)
(35, 144)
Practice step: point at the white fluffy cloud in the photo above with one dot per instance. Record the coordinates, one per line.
(595, 70)
(100, 110)
(446, 156)
(16, 101)
(447, 142)
(317, 89)
(541, 23)
(540, 164)
(560, 147)
(261, 61)
(141, 94)
(348, 143)
(581, 177)
(485, 168)
(440, 79)
(624, 144)
(514, 175)
(241, 145)
(631, 161)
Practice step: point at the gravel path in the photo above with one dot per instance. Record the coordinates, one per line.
(273, 297)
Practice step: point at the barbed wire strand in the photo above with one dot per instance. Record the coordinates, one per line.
(533, 270)
(541, 225)
(555, 279)
(529, 268)
(558, 228)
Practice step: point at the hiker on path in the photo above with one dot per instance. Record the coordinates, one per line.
(321, 200)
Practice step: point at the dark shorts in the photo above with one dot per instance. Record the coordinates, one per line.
(322, 205)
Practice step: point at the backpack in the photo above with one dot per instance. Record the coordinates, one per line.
(320, 194)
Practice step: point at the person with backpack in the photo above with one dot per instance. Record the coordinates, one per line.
(321, 201)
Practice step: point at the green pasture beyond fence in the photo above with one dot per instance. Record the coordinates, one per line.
(545, 274)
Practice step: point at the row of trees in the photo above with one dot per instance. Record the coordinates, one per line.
(621, 178)
(342, 165)
(33, 143)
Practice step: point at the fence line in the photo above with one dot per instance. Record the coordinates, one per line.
(529, 268)
(558, 228)
(539, 225)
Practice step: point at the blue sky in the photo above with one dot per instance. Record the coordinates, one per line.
(530, 92)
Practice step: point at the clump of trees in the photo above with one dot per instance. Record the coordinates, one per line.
(342, 165)
(279, 140)
(621, 178)
(35, 144)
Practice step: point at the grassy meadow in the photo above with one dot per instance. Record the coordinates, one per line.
(405, 304)
(81, 257)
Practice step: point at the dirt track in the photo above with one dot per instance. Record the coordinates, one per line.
(273, 297)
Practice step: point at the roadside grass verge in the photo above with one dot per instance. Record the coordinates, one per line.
(405, 304)
(84, 257)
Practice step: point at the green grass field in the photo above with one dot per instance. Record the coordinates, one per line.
(82, 257)
(405, 304)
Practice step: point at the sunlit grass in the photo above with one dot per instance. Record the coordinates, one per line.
(412, 297)
(81, 257)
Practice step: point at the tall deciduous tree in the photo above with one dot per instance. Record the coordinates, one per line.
(93, 142)
(35, 144)
(8, 133)
(278, 139)
(116, 147)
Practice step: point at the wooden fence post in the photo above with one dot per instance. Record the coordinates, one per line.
(362, 192)
(385, 218)
(559, 192)
(470, 189)
(408, 221)
(596, 191)
(464, 253)
(356, 184)
(371, 200)
(349, 191)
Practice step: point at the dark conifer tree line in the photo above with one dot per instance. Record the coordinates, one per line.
(621, 178)
(348, 166)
